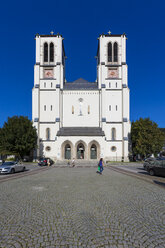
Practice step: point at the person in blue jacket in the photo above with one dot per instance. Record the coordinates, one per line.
(100, 166)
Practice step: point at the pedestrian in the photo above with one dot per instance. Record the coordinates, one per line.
(73, 162)
(100, 166)
(48, 162)
(68, 163)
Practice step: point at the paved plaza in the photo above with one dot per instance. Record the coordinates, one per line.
(75, 207)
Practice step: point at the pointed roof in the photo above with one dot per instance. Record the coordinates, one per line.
(80, 84)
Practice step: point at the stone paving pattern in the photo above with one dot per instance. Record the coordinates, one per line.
(75, 207)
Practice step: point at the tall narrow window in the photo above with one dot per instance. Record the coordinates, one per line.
(109, 107)
(113, 134)
(51, 107)
(116, 85)
(109, 85)
(109, 52)
(51, 52)
(44, 107)
(116, 107)
(48, 133)
(72, 109)
(51, 85)
(44, 85)
(88, 109)
(115, 52)
(45, 52)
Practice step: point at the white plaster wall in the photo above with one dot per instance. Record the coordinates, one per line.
(36, 74)
(111, 84)
(48, 98)
(71, 98)
(108, 131)
(114, 155)
(113, 99)
(53, 130)
(46, 84)
(126, 103)
(35, 113)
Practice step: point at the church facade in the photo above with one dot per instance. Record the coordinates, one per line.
(81, 119)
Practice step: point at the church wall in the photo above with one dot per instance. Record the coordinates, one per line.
(115, 155)
(48, 99)
(108, 131)
(72, 108)
(113, 106)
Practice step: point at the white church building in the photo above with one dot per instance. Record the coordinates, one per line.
(81, 119)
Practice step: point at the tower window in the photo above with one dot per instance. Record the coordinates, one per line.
(51, 107)
(44, 85)
(51, 85)
(109, 85)
(51, 52)
(88, 109)
(116, 84)
(116, 107)
(72, 109)
(109, 107)
(44, 107)
(115, 47)
(113, 134)
(109, 52)
(48, 133)
(45, 52)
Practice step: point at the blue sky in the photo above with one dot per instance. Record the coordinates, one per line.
(80, 23)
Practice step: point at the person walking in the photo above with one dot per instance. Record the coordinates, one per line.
(73, 162)
(48, 162)
(100, 166)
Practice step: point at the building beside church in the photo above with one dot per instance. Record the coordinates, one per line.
(81, 119)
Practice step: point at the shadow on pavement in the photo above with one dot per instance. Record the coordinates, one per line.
(159, 183)
(143, 172)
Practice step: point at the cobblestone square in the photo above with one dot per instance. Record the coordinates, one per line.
(76, 207)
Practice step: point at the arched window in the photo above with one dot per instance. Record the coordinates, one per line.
(67, 152)
(48, 133)
(109, 52)
(115, 52)
(93, 152)
(113, 135)
(45, 52)
(51, 52)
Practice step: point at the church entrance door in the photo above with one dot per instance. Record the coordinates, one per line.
(80, 151)
(93, 152)
(67, 152)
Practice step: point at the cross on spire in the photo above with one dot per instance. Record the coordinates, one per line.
(109, 32)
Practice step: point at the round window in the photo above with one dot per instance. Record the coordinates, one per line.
(113, 148)
(48, 148)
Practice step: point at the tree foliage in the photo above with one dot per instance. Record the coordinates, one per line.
(17, 136)
(146, 137)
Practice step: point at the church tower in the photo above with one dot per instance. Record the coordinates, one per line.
(49, 76)
(113, 83)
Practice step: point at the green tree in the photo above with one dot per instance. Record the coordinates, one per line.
(18, 136)
(146, 137)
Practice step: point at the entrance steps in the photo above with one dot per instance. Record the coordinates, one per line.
(78, 163)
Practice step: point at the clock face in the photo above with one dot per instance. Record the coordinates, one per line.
(48, 73)
(112, 73)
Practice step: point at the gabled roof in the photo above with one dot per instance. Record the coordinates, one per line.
(80, 84)
(80, 131)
